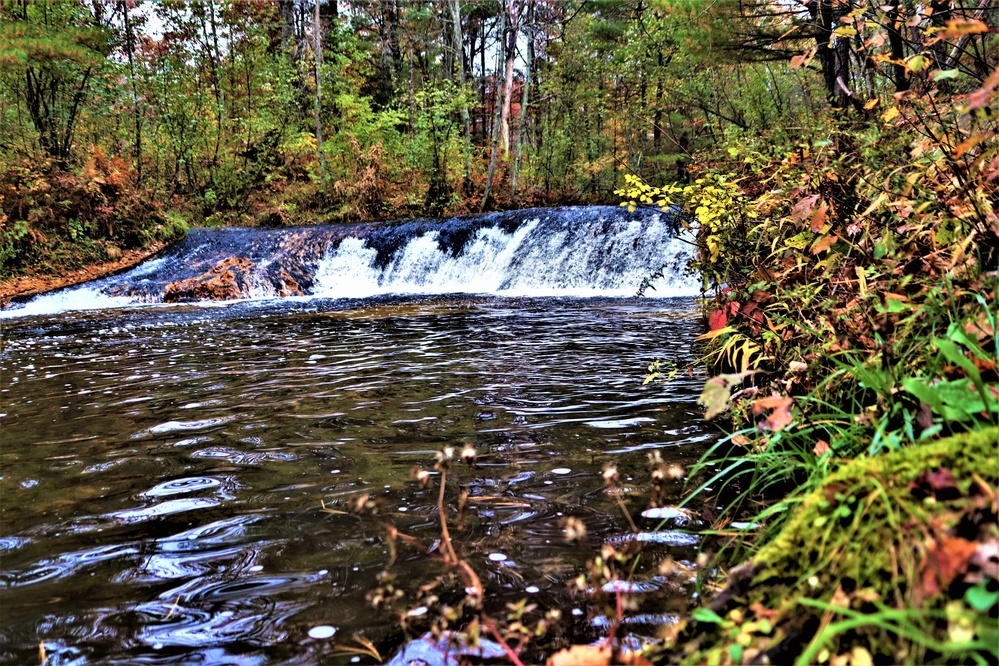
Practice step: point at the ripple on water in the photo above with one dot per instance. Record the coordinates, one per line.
(240, 458)
(165, 509)
(173, 426)
(663, 537)
(181, 486)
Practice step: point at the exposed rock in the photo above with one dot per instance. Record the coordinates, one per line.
(288, 286)
(226, 281)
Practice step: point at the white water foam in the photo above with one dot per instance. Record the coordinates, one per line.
(531, 261)
(81, 298)
(573, 252)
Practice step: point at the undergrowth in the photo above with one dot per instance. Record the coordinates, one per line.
(852, 325)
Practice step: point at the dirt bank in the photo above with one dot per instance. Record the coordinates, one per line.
(28, 285)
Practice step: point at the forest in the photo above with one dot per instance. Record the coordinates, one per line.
(837, 160)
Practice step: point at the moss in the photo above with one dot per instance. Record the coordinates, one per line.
(856, 548)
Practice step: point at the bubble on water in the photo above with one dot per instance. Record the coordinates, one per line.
(417, 612)
(497, 557)
(532, 589)
(561, 470)
(322, 632)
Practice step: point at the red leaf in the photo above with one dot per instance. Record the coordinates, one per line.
(718, 319)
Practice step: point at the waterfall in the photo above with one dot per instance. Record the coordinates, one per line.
(581, 252)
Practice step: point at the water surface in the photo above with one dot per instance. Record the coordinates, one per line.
(164, 470)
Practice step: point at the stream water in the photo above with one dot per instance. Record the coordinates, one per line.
(164, 468)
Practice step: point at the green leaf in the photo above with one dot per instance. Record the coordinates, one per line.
(716, 393)
(916, 63)
(707, 615)
(979, 598)
(942, 74)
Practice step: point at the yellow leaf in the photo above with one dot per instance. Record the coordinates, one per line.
(890, 114)
(871, 104)
(845, 31)
(862, 277)
(960, 28)
(915, 63)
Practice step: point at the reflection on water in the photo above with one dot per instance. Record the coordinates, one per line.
(163, 471)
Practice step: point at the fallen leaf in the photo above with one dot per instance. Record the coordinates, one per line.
(819, 219)
(803, 209)
(780, 416)
(939, 483)
(859, 656)
(824, 243)
(986, 561)
(582, 655)
(944, 562)
(821, 447)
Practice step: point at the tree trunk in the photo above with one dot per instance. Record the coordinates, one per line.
(510, 37)
(500, 57)
(522, 120)
(318, 47)
(459, 65)
(130, 45)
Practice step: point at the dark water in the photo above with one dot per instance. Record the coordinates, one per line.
(164, 470)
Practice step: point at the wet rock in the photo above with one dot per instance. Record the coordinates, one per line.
(288, 286)
(227, 280)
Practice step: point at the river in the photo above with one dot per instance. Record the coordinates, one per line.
(176, 479)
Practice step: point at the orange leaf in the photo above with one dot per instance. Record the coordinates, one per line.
(779, 418)
(960, 28)
(970, 143)
(824, 243)
(944, 562)
(819, 219)
(821, 447)
(871, 104)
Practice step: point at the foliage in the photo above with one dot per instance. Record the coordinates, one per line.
(53, 220)
(819, 589)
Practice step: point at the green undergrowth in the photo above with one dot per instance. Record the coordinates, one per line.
(888, 560)
(851, 274)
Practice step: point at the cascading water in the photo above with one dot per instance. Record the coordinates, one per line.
(591, 251)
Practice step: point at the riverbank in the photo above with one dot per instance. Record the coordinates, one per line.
(853, 346)
(25, 286)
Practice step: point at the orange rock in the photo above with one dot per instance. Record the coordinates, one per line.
(226, 281)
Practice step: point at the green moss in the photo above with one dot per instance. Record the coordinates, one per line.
(846, 572)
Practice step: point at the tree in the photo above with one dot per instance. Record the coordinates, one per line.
(52, 53)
